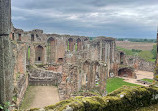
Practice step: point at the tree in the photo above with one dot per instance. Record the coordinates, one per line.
(154, 51)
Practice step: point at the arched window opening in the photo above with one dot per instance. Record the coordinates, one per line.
(39, 53)
(13, 36)
(19, 37)
(32, 37)
(122, 58)
(70, 44)
(78, 44)
(51, 50)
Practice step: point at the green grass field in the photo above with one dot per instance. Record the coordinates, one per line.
(148, 80)
(115, 83)
(146, 55)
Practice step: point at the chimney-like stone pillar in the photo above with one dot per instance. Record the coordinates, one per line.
(5, 17)
(6, 58)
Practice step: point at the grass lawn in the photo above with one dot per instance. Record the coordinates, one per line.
(115, 83)
(148, 80)
(146, 55)
(127, 51)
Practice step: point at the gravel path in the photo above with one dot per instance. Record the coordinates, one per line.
(45, 95)
(140, 75)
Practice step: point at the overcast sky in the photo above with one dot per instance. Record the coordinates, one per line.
(113, 18)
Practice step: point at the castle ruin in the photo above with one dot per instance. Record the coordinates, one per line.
(70, 62)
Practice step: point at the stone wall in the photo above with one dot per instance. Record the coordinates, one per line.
(133, 61)
(82, 63)
(20, 53)
(20, 88)
(82, 74)
(42, 77)
(140, 64)
(6, 54)
(103, 47)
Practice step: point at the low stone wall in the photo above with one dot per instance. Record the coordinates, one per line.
(22, 84)
(144, 82)
(41, 77)
(146, 66)
(124, 99)
(140, 64)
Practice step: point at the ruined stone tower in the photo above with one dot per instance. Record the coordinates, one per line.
(6, 58)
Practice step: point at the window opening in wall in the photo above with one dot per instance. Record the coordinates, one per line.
(39, 53)
(29, 52)
(13, 36)
(32, 37)
(121, 58)
(76, 47)
(51, 50)
(78, 44)
(19, 37)
(60, 60)
(39, 58)
(70, 44)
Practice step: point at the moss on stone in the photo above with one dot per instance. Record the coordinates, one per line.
(59, 106)
(34, 109)
(124, 99)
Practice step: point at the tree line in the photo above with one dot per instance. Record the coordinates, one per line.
(137, 40)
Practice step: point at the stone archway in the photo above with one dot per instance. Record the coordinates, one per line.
(39, 56)
(126, 72)
(60, 60)
(122, 55)
(70, 44)
(51, 50)
(78, 44)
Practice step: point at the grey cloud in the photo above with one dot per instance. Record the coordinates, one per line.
(88, 17)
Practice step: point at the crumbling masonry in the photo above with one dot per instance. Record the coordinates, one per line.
(73, 63)
(70, 62)
(6, 58)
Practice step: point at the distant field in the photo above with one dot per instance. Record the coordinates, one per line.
(144, 54)
(135, 45)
